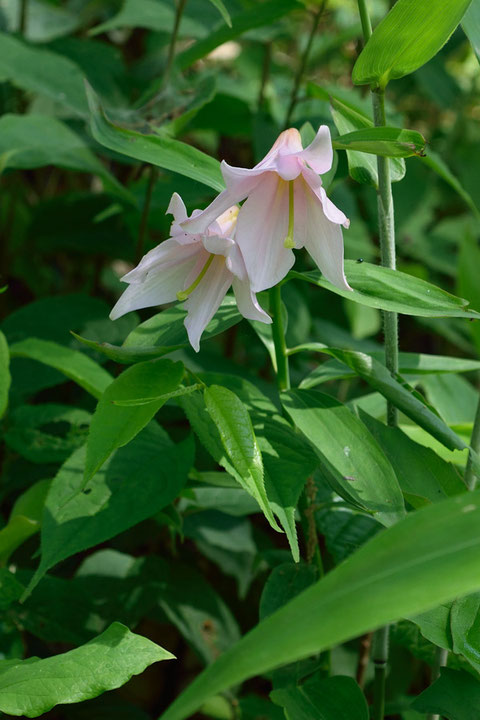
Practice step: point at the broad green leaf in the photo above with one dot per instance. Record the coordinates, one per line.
(67, 430)
(5, 378)
(113, 426)
(415, 364)
(285, 582)
(134, 484)
(240, 444)
(453, 397)
(31, 687)
(156, 15)
(10, 589)
(351, 459)
(362, 167)
(408, 37)
(25, 519)
(34, 141)
(471, 26)
(422, 474)
(323, 698)
(429, 557)
(44, 72)
(223, 11)
(158, 150)
(464, 627)
(393, 290)
(263, 14)
(384, 141)
(44, 21)
(163, 333)
(434, 625)
(455, 695)
(71, 363)
(400, 394)
(467, 281)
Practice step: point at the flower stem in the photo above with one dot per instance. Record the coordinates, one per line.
(441, 659)
(380, 659)
(173, 40)
(278, 333)
(142, 230)
(303, 64)
(23, 17)
(470, 477)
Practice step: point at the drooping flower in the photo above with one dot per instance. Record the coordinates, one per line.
(286, 207)
(197, 268)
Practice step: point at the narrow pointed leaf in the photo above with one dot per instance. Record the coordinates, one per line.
(430, 557)
(5, 378)
(408, 37)
(384, 141)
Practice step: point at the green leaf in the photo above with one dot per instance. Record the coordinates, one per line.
(158, 150)
(5, 378)
(163, 333)
(437, 164)
(44, 72)
(32, 687)
(134, 484)
(429, 557)
(223, 11)
(156, 15)
(399, 393)
(464, 627)
(471, 26)
(393, 290)
(238, 439)
(323, 698)
(25, 519)
(467, 281)
(71, 363)
(384, 141)
(262, 14)
(113, 426)
(285, 582)
(350, 457)
(455, 695)
(408, 37)
(32, 141)
(422, 474)
(415, 364)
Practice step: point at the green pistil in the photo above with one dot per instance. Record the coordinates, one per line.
(183, 294)
(288, 242)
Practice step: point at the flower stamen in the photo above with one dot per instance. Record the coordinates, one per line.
(183, 294)
(288, 242)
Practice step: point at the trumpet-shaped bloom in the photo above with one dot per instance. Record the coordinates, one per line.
(286, 207)
(197, 268)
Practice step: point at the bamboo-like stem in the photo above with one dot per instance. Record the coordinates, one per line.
(278, 334)
(441, 659)
(380, 659)
(470, 476)
(142, 230)
(173, 41)
(23, 17)
(303, 63)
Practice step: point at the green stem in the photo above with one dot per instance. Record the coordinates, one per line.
(142, 230)
(380, 659)
(173, 40)
(278, 334)
(365, 19)
(303, 64)
(441, 659)
(23, 17)
(470, 476)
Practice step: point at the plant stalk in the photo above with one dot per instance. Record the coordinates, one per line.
(142, 230)
(470, 476)
(23, 17)
(173, 41)
(303, 63)
(278, 334)
(380, 659)
(441, 659)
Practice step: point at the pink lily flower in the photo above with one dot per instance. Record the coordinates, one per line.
(198, 268)
(286, 207)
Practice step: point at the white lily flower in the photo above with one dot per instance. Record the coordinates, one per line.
(286, 207)
(197, 268)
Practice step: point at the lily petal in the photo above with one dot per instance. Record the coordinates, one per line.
(160, 285)
(247, 302)
(324, 242)
(331, 211)
(205, 300)
(199, 223)
(319, 154)
(261, 230)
